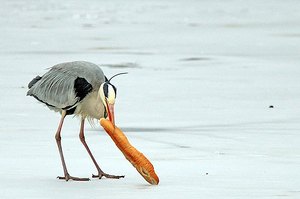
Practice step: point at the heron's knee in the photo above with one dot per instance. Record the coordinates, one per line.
(57, 137)
(81, 137)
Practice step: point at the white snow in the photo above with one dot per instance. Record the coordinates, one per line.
(202, 75)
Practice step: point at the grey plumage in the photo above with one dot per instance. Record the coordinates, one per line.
(56, 88)
(32, 82)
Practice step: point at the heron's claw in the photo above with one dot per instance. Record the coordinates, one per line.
(67, 177)
(101, 174)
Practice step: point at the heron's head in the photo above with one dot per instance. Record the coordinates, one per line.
(108, 94)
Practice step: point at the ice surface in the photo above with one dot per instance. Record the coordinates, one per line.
(202, 75)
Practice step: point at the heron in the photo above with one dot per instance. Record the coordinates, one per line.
(76, 88)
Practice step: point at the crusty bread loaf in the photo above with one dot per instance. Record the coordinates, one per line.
(136, 158)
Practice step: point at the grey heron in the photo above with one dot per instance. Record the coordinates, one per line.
(78, 88)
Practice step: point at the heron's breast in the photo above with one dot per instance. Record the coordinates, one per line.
(91, 106)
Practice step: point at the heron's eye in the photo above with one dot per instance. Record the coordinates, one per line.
(109, 89)
(109, 92)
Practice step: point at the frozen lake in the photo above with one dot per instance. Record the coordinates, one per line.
(202, 76)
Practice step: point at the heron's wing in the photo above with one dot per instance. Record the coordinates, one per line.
(60, 87)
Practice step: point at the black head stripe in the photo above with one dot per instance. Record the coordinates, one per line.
(105, 89)
(115, 89)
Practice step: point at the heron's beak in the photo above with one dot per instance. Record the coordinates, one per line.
(111, 112)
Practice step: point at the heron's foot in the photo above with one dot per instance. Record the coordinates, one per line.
(102, 174)
(67, 177)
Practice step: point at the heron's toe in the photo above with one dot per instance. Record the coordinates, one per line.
(100, 175)
(68, 177)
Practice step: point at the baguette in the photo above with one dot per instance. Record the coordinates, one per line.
(136, 158)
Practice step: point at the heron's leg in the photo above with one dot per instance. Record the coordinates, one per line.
(58, 141)
(100, 172)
